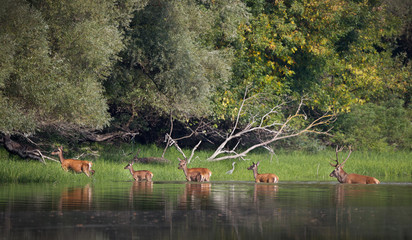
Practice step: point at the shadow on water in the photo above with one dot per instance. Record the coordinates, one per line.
(216, 210)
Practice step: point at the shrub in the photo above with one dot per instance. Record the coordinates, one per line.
(375, 127)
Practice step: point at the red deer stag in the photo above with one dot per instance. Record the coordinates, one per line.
(265, 178)
(352, 178)
(194, 174)
(77, 166)
(139, 175)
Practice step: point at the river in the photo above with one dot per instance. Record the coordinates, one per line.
(216, 210)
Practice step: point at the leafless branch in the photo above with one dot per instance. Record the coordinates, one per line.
(274, 130)
(172, 142)
(88, 152)
(193, 151)
(170, 134)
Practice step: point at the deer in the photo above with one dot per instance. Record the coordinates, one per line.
(351, 178)
(263, 178)
(77, 166)
(194, 174)
(139, 175)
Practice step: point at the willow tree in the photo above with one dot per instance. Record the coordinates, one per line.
(177, 53)
(54, 57)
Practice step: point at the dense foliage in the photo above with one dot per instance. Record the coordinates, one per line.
(127, 65)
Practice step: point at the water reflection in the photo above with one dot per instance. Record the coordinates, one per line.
(195, 196)
(139, 189)
(75, 198)
(265, 191)
(213, 210)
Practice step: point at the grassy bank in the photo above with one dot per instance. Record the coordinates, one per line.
(289, 166)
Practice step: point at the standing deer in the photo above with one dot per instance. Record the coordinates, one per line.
(194, 174)
(77, 166)
(265, 178)
(352, 178)
(139, 175)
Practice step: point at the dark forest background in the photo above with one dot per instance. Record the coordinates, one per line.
(74, 71)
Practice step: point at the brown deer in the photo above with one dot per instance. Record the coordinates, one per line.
(352, 178)
(77, 166)
(194, 174)
(139, 175)
(264, 178)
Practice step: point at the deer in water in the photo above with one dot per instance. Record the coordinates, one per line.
(194, 174)
(265, 178)
(77, 166)
(352, 178)
(139, 175)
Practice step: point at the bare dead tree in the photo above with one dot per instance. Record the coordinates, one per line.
(167, 140)
(202, 126)
(172, 142)
(25, 150)
(271, 130)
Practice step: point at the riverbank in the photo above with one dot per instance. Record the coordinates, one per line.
(288, 166)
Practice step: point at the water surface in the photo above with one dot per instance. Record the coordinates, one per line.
(216, 210)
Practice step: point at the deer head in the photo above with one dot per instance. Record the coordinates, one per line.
(254, 166)
(338, 171)
(182, 164)
(128, 166)
(58, 150)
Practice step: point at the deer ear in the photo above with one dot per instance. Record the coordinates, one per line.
(257, 164)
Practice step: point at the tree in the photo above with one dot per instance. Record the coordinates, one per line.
(333, 51)
(267, 128)
(54, 57)
(177, 55)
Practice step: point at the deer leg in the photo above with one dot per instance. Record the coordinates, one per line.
(85, 169)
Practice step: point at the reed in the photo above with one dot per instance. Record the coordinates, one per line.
(289, 166)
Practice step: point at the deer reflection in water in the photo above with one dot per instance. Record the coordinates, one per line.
(140, 189)
(265, 195)
(194, 194)
(346, 196)
(265, 192)
(76, 198)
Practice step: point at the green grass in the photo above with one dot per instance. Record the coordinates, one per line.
(289, 166)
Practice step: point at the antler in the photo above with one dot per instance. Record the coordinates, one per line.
(337, 150)
(350, 151)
